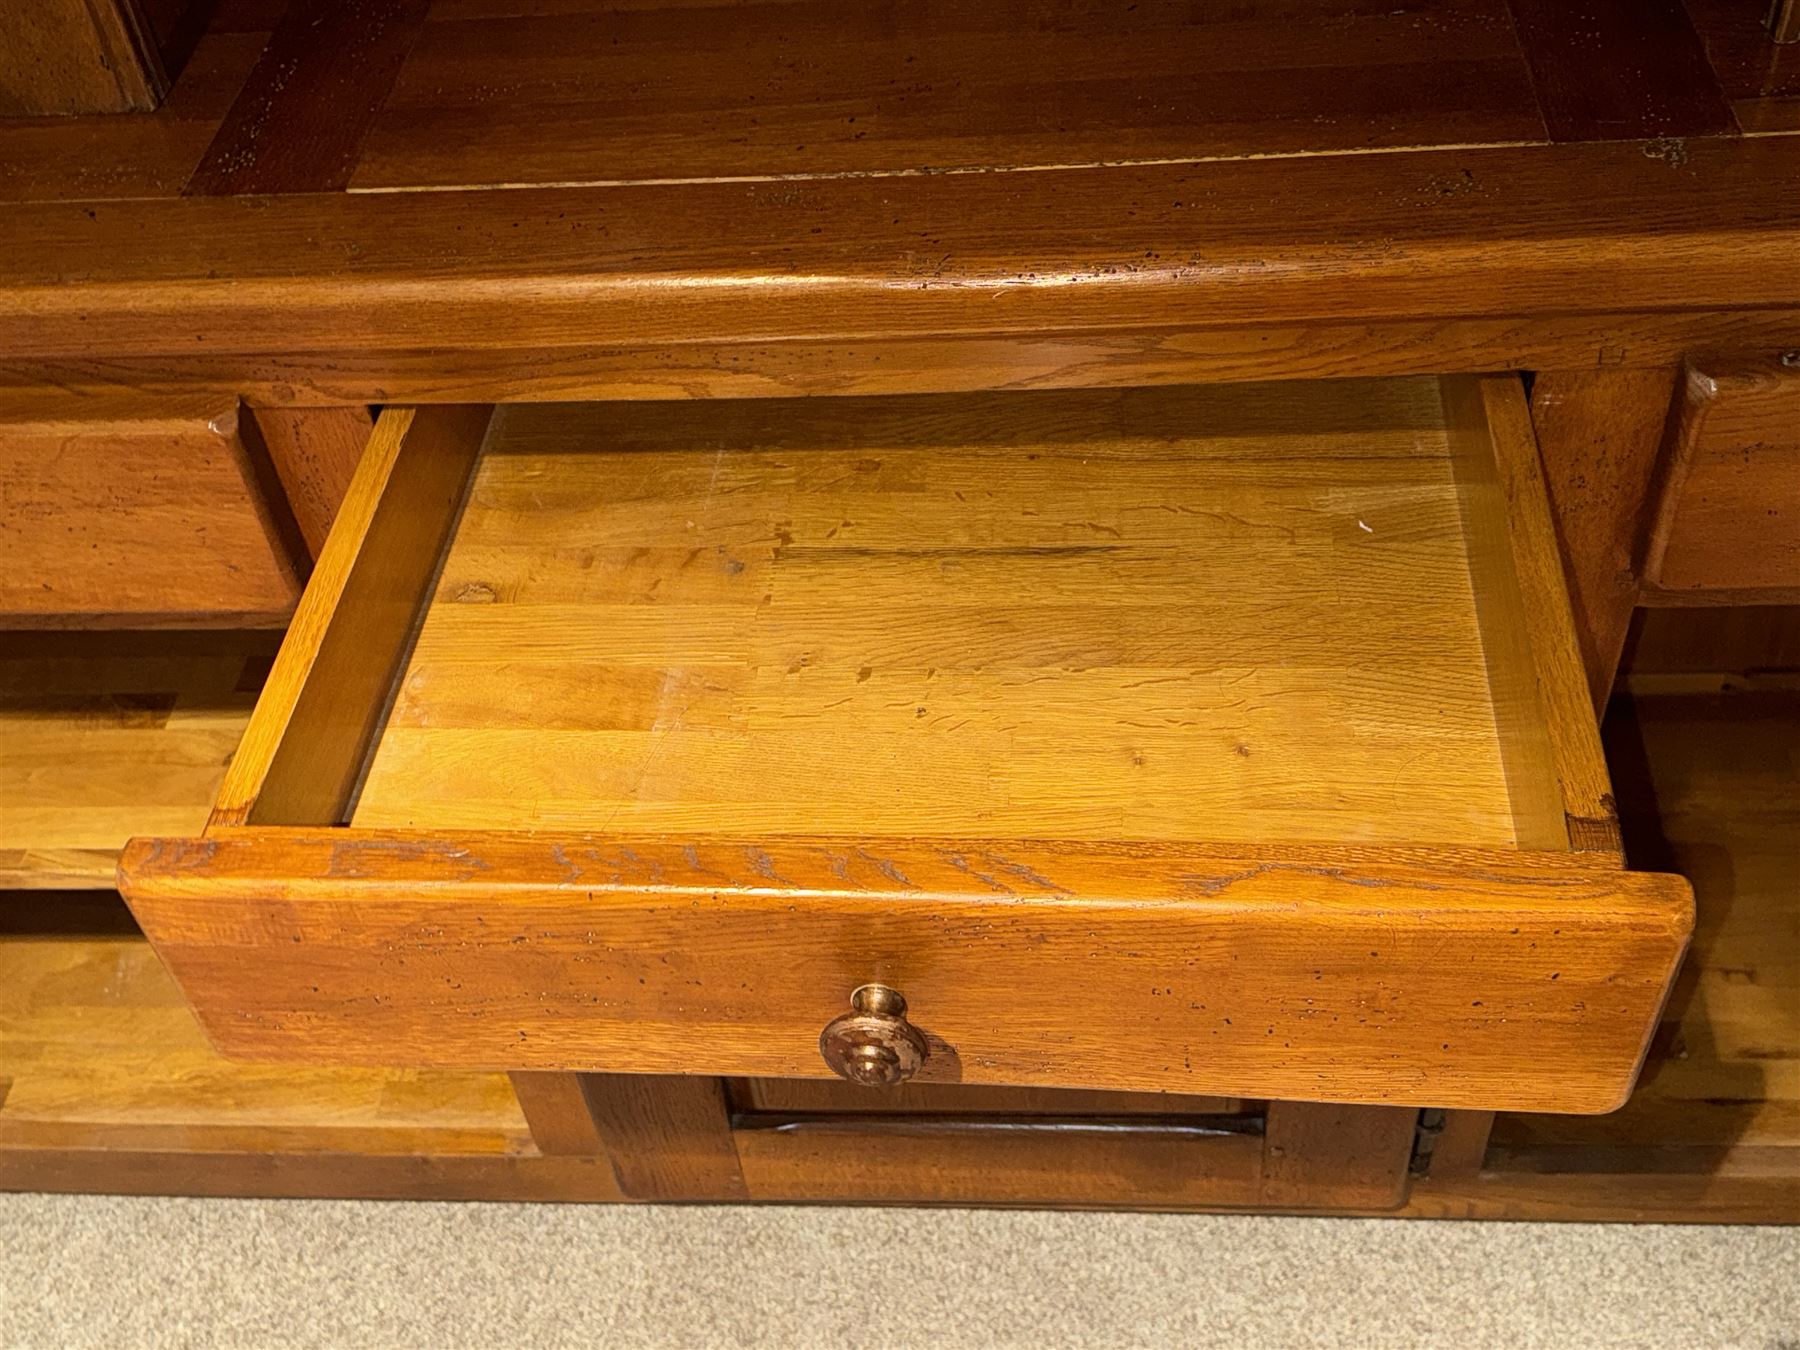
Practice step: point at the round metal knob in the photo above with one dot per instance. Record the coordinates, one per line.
(873, 1044)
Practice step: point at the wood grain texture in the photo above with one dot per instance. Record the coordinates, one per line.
(668, 1136)
(940, 1163)
(79, 56)
(1555, 770)
(1600, 434)
(1504, 461)
(1631, 69)
(102, 739)
(1169, 614)
(104, 1055)
(708, 368)
(557, 1110)
(1727, 515)
(1462, 1146)
(1351, 238)
(299, 123)
(1720, 800)
(136, 511)
(248, 1168)
(1489, 980)
(560, 93)
(1745, 640)
(304, 749)
(315, 452)
(1352, 1156)
(103, 155)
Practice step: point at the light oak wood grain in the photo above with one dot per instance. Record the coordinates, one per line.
(702, 636)
(1162, 614)
(1551, 744)
(101, 739)
(303, 750)
(102, 1053)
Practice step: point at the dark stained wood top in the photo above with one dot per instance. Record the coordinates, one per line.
(1500, 231)
(383, 95)
(594, 176)
(595, 93)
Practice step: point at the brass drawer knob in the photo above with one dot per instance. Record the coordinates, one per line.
(873, 1044)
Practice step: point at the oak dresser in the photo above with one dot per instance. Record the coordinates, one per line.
(1157, 606)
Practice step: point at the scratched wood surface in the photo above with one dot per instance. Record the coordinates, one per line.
(1172, 614)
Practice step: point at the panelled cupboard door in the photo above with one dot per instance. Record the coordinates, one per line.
(1223, 741)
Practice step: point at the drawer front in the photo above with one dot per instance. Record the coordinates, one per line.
(134, 513)
(1728, 516)
(1499, 983)
(1216, 742)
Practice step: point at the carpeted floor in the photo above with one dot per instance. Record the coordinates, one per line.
(122, 1273)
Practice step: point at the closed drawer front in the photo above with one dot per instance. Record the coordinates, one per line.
(1728, 515)
(1225, 742)
(133, 512)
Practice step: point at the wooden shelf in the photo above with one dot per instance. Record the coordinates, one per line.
(107, 735)
(101, 1053)
(1722, 1091)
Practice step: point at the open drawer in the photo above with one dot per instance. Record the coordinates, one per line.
(1222, 740)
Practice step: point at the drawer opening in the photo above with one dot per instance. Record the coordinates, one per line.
(1223, 741)
(1240, 614)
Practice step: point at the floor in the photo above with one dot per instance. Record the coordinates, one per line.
(123, 1273)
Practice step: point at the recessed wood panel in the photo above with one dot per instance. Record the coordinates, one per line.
(79, 56)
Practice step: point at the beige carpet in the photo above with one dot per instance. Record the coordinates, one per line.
(121, 1273)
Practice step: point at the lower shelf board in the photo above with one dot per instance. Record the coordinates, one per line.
(106, 1084)
(108, 735)
(99, 1052)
